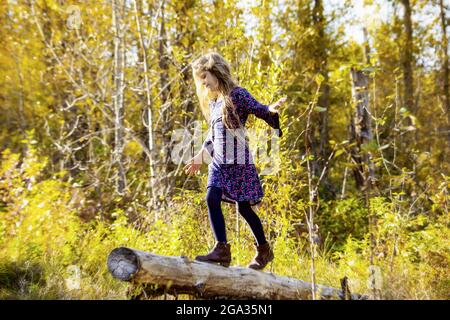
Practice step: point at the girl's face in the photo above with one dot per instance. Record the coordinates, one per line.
(209, 81)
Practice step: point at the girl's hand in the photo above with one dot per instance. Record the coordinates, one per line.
(273, 107)
(193, 166)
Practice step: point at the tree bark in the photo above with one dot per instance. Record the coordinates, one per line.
(178, 275)
(360, 128)
(362, 134)
(185, 32)
(265, 33)
(118, 12)
(367, 55)
(445, 69)
(321, 147)
(166, 111)
(147, 102)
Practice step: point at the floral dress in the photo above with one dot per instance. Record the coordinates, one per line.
(232, 168)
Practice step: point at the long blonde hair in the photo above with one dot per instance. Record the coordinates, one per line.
(217, 65)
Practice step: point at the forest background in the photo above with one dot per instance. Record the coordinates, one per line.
(92, 92)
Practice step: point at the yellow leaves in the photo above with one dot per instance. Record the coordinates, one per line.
(185, 41)
(54, 5)
(9, 162)
(338, 153)
(319, 79)
(132, 149)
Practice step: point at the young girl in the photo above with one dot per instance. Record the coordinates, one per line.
(232, 176)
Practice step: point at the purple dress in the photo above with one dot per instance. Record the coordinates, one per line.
(232, 168)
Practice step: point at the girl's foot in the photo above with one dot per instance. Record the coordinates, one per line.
(263, 256)
(220, 254)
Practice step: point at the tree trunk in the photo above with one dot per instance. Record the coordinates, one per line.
(361, 119)
(265, 33)
(321, 146)
(185, 32)
(166, 111)
(178, 275)
(362, 134)
(118, 12)
(147, 103)
(367, 55)
(360, 128)
(445, 69)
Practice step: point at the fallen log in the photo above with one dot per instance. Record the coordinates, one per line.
(179, 275)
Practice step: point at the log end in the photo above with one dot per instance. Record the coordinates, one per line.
(123, 263)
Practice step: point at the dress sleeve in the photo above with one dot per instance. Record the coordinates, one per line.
(250, 105)
(208, 144)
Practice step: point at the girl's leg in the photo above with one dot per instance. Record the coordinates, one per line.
(253, 220)
(213, 200)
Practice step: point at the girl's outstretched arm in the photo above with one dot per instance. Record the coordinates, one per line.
(249, 104)
(193, 165)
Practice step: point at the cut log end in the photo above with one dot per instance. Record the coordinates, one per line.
(123, 263)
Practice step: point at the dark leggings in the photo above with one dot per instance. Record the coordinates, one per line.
(213, 200)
